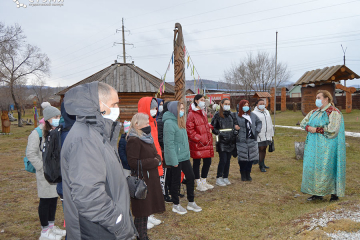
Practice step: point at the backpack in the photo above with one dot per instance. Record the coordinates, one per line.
(51, 156)
(28, 166)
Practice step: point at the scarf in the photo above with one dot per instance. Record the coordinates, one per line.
(247, 117)
(147, 138)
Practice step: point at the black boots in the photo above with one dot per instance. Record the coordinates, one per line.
(314, 197)
(262, 166)
(334, 198)
(243, 176)
(265, 165)
(248, 178)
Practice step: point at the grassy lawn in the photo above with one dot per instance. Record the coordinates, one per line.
(290, 118)
(266, 208)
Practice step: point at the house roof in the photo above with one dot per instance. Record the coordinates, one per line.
(327, 74)
(262, 94)
(125, 78)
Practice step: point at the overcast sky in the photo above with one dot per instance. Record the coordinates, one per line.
(79, 36)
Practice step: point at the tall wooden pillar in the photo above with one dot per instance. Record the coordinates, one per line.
(272, 99)
(283, 99)
(179, 63)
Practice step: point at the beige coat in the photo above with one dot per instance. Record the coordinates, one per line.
(33, 153)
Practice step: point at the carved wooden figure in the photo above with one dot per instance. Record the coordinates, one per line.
(283, 99)
(349, 91)
(272, 99)
(5, 122)
(179, 63)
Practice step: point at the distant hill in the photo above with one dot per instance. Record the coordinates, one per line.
(208, 84)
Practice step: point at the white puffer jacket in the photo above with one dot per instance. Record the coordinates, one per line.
(267, 130)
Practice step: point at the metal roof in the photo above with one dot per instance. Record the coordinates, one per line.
(327, 74)
(125, 78)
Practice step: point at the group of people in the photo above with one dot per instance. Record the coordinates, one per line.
(161, 138)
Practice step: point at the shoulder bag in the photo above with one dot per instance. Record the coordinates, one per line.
(137, 186)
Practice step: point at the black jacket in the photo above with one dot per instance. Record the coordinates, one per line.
(122, 152)
(160, 125)
(226, 140)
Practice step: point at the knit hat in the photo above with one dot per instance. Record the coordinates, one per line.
(126, 126)
(153, 104)
(49, 111)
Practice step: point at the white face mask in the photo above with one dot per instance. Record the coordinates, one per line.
(201, 104)
(153, 112)
(114, 113)
(161, 108)
(261, 107)
(226, 107)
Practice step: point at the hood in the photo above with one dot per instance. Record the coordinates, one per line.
(87, 104)
(83, 102)
(69, 120)
(159, 100)
(144, 107)
(172, 107)
(165, 107)
(194, 109)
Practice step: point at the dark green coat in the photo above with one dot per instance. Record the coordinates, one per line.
(176, 144)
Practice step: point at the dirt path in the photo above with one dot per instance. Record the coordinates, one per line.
(349, 134)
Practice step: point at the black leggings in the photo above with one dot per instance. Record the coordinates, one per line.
(205, 169)
(262, 153)
(141, 227)
(245, 166)
(47, 210)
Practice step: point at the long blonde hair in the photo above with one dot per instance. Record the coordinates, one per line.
(326, 94)
(138, 119)
(181, 120)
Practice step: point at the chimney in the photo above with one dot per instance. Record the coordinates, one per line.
(115, 61)
(133, 62)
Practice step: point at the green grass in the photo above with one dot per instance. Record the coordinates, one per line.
(266, 208)
(290, 118)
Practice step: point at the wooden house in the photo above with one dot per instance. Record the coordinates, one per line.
(263, 95)
(131, 82)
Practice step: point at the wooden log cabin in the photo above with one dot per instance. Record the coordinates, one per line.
(132, 83)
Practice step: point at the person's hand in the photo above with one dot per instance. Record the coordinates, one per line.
(312, 129)
(176, 165)
(237, 127)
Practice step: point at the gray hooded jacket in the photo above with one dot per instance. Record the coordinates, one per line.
(96, 193)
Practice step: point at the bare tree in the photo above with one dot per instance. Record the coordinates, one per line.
(18, 61)
(42, 92)
(256, 73)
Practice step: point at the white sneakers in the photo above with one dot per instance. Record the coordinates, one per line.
(208, 186)
(202, 185)
(220, 182)
(177, 208)
(58, 231)
(49, 235)
(192, 206)
(226, 181)
(152, 222)
(152, 219)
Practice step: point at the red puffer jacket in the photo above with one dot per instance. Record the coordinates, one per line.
(200, 137)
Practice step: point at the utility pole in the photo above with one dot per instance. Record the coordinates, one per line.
(275, 76)
(123, 40)
(344, 51)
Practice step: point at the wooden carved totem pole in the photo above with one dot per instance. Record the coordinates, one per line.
(349, 91)
(179, 63)
(283, 99)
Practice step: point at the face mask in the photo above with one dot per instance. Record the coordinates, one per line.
(245, 108)
(161, 108)
(114, 113)
(146, 130)
(55, 122)
(153, 112)
(226, 107)
(318, 103)
(261, 107)
(201, 104)
(181, 113)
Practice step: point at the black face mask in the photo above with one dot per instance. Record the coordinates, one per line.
(146, 130)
